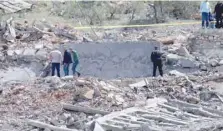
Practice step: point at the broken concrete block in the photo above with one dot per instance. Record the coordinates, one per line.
(193, 100)
(221, 62)
(38, 46)
(203, 68)
(88, 94)
(29, 52)
(42, 54)
(139, 84)
(119, 99)
(182, 51)
(97, 92)
(187, 63)
(213, 63)
(64, 116)
(172, 59)
(98, 127)
(176, 73)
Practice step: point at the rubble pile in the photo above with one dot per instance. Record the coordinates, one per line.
(39, 103)
(172, 102)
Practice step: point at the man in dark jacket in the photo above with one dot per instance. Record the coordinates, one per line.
(67, 60)
(156, 58)
(218, 10)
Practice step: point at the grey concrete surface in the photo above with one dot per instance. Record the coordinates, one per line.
(114, 60)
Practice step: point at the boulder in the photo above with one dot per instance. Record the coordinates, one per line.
(42, 54)
(172, 59)
(29, 52)
(89, 94)
(176, 73)
(98, 127)
(182, 51)
(213, 63)
(221, 62)
(203, 68)
(187, 63)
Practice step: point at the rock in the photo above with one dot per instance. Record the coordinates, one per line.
(46, 129)
(34, 130)
(119, 99)
(221, 62)
(187, 63)
(139, 84)
(176, 73)
(182, 51)
(206, 96)
(29, 52)
(64, 116)
(81, 82)
(67, 78)
(172, 59)
(213, 63)
(98, 127)
(38, 46)
(145, 127)
(97, 92)
(88, 94)
(42, 54)
(87, 39)
(203, 68)
(70, 121)
(193, 100)
(54, 81)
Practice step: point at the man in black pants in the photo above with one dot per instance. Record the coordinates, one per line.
(156, 58)
(218, 10)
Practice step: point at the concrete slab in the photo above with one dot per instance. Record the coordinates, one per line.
(156, 116)
(115, 60)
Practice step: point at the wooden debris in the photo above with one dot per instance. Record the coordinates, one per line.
(14, 6)
(84, 109)
(47, 126)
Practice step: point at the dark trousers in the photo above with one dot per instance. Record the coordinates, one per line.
(66, 69)
(56, 66)
(219, 21)
(205, 19)
(160, 66)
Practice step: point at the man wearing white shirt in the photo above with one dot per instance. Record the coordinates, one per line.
(205, 10)
(56, 60)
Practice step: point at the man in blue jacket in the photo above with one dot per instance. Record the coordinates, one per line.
(156, 58)
(67, 60)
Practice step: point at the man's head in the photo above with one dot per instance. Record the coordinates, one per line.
(206, 0)
(156, 48)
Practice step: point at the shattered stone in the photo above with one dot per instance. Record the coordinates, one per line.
(187, 63)
(98, 127)
(172, 59)
(214, 63)
(206, 95)
(176, 73)
(88, 94)
(221, 62)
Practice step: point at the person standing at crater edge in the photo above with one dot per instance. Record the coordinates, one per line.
(156, 58)
(55, 59)
(75, 62)
(205, 10)
(67, 60)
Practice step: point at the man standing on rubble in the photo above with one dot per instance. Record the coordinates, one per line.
(205, 10)
(56, 59)
(67, 60)
(75, 62)
(156, 58)
(218, 10)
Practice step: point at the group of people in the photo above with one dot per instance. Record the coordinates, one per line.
(69, 57)
(211, 20)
